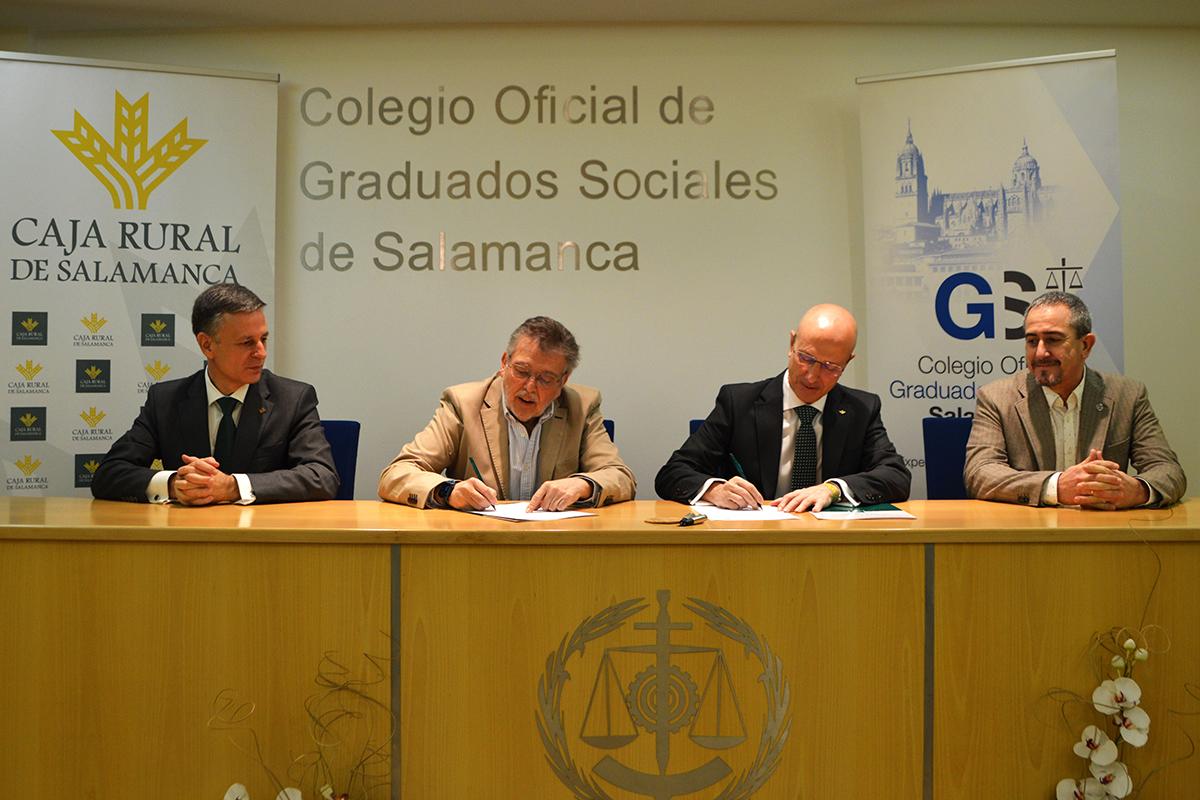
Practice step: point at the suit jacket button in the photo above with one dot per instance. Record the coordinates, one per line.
(1023, 498)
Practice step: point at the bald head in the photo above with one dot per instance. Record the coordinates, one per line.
(827, 333)
(831, 325)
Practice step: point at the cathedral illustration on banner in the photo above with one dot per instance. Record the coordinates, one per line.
(943, 232)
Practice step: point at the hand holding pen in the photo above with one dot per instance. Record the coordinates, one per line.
(473, 494)
(736, 493)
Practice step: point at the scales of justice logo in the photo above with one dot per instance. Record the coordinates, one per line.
(663, 701)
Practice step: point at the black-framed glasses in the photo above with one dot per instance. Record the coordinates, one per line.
(546, 380)
(828, 366)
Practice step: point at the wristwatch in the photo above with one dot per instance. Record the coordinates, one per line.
(441, 493)
(834, 489)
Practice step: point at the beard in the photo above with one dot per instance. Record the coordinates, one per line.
(1048, 374)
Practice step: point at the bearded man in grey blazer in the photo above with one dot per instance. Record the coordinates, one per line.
(1063, 434)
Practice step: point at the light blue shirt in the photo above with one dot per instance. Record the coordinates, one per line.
(523, 450)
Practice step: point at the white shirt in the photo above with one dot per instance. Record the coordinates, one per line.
(158, 491)
(787, 448)
(791, 422)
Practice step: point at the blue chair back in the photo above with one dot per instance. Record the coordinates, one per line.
(694, 425)
(343, 440)
(945, 454)
(611, 428)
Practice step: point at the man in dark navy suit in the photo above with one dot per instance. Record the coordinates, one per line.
(232, 432)
(797, 440)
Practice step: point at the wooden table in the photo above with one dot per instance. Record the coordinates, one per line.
(919, 656)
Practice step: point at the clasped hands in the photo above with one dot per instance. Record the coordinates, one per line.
(737, 492)
(200, 482)
(473, 494)
(1101, 485)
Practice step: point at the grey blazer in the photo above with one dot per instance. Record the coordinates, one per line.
(1010, 454)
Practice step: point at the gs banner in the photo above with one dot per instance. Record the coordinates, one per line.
(983, 187)
(129, 189)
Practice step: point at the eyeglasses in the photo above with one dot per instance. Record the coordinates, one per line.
(546, 380)
(828, 366)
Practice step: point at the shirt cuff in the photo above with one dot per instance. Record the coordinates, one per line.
(159, 488)
(1155, 497)
(847, 497)
(707, 484)
(1050, 490)
(247, 493)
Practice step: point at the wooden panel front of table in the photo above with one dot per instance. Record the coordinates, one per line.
(917, 656)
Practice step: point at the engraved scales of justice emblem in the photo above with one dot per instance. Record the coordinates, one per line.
(663, 700)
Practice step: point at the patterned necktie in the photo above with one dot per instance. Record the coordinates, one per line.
(226, 432)
(804, 459)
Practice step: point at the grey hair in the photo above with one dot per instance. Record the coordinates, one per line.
(1081, 318)
(550, 335)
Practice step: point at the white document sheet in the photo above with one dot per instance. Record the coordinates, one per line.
(853, 515)
(518, 512)
(718, 514)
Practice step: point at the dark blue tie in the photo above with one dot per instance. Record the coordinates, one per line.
(804, 457)
(226, 432)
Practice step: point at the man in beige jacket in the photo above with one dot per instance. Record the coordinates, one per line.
(522, 434)
(1063, 434)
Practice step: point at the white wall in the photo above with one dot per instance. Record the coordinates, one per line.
(720, 282)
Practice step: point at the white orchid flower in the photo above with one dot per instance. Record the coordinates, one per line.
(238, 792)
(1086, 789)
(1135, 726)
(1112, 696)
(1095, 746)
(1114, 778)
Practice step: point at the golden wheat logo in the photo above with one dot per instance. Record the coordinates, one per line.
(157, 370)
(93, 372)
(91, 466)
(94, 323)
(29, 323)
(28, 465)
(92, 417)
(130, 168)
(29, 370)
(157, 326)
(27, 419)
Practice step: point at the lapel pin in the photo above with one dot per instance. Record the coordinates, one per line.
(262, 409)
(841, 411)
(1099, 406)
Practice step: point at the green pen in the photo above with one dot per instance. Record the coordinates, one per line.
(478, 474)
(741, 472)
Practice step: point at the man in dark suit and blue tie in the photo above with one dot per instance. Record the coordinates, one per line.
(232, 432)
(798, 440)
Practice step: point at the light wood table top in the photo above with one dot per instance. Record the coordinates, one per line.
(373, 522)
